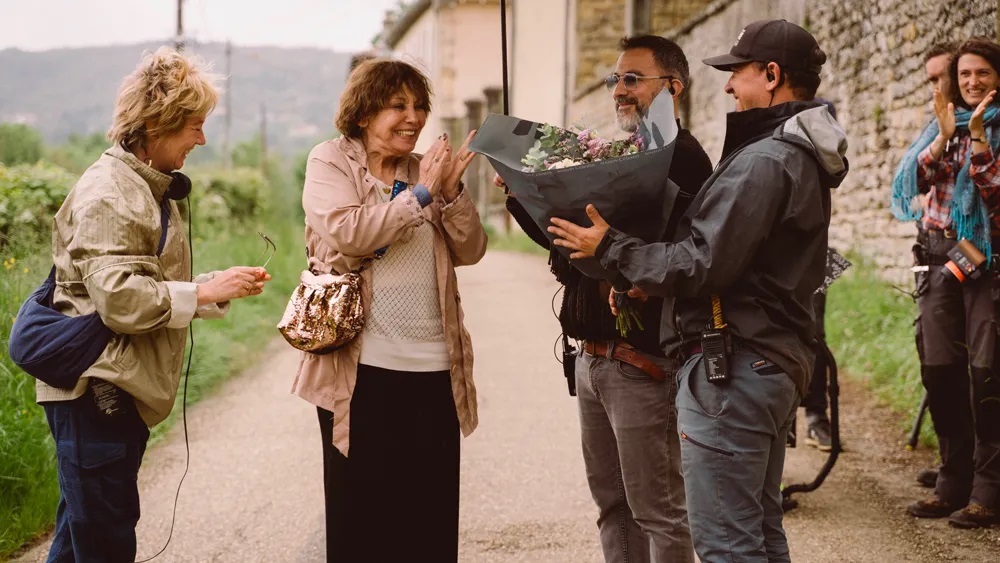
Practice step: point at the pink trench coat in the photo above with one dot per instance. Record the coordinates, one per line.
(345, 222)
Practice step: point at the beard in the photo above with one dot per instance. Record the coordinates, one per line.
(628, 119)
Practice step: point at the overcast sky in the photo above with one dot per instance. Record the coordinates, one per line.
(342, 25)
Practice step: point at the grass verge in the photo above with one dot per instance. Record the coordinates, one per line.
(514, 241)
(869, 327)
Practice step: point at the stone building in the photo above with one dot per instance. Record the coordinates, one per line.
(874, 77)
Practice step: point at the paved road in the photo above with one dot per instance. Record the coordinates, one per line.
(254, 489)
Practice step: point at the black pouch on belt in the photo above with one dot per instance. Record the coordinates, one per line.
(109, 400)
(921, 272)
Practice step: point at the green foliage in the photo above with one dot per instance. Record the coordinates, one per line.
(514, 241)
(869, 327)
(29, 196)
(220, 195)
(28, 487)
(248, 153)
(19, 144)
(78, 152)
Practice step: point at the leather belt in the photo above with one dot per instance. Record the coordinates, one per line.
(625, 352)
(949, 234)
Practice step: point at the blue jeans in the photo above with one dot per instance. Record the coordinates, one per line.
(98, 462)
(629, 433)
(733, 453)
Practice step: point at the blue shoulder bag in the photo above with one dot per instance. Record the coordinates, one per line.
(55, 348)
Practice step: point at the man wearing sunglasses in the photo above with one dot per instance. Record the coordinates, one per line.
(626, 386)
(742, 271)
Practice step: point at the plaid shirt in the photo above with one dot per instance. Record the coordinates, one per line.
(936, 178)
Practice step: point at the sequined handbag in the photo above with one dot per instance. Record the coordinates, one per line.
(324, 312)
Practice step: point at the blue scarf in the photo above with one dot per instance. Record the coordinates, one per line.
(968, 212)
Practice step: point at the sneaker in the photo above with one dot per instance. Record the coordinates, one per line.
(818, 434)
(973, 516)
(932, 508)
(928, 477)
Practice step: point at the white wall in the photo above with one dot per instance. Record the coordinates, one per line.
(538, 72)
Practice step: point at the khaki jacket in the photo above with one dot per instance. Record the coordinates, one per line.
(104, 241)
(346, 223)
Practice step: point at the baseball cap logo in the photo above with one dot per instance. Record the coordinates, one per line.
(740, 36)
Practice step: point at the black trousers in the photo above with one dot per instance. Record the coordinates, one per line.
(957, 343)
(815, 401)
(395, 498)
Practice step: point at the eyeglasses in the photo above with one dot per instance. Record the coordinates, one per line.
(268, 247)
(631, 80)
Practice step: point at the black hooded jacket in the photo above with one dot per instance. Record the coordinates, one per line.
(756, 236)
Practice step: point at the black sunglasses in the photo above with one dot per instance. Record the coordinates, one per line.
(631, 80)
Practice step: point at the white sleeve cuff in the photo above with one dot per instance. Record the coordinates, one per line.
(183, 303)
(210, 310)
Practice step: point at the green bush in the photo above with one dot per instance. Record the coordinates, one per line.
(78, 152)
(221, 195)
(29, 196)
(19, 144)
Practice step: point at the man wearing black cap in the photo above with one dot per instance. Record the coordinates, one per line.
(738, 281)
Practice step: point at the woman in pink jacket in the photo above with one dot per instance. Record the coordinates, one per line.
(392, 402)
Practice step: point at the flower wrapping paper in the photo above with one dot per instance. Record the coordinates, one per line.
(631, 192)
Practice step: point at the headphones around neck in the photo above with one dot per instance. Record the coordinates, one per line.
(180, 186)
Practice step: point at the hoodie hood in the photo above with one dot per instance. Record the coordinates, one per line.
(817, 132)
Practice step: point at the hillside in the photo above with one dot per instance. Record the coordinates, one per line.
(66, 91)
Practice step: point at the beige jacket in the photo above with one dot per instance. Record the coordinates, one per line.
(345, 223)
(104, 241)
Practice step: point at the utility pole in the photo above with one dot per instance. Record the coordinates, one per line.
(179, 39)
(263, 139)
(227, 157)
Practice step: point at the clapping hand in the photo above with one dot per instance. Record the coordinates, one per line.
(976, 128)
(456, 166)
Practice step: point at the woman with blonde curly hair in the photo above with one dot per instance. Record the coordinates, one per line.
(119, 250)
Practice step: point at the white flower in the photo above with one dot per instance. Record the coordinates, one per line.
(564, 163)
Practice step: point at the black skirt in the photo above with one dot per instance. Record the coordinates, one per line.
(396, 497)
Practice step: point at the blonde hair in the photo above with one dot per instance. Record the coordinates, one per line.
(166, 88)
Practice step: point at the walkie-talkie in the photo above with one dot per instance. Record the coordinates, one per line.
(715, 347)
(715, 353)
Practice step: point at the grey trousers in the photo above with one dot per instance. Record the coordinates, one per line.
(733, 453)
(632, 457)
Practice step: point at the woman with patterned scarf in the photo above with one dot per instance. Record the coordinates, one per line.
(950, 180)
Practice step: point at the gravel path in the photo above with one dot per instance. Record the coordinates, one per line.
(254, 490)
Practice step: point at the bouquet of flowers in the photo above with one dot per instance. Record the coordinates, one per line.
(560, 148)
(557, 172)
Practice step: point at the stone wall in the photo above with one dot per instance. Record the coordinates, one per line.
(599, 26)
(874, 76)
(601, 23)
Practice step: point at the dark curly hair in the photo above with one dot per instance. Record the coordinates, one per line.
(372, 85)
